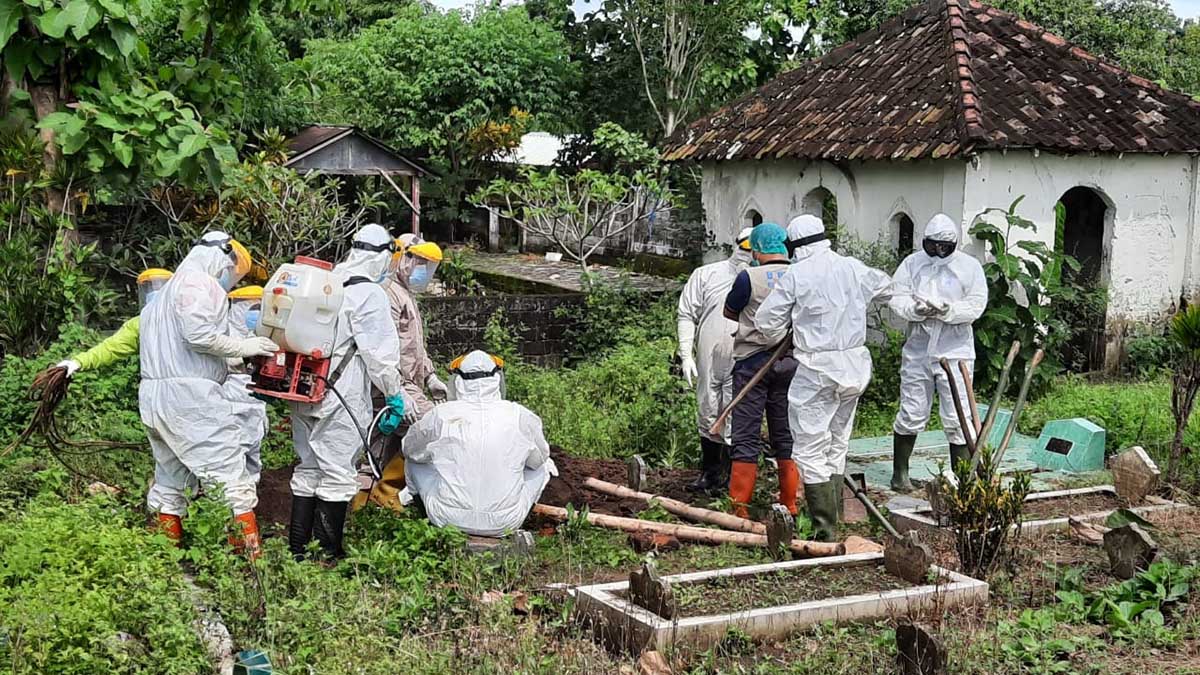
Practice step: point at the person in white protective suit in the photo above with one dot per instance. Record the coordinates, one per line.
(190, 422)
(478, 462)
(707, 362)
(940, 291)
(823, 299)
(245, 306)
(328, 435)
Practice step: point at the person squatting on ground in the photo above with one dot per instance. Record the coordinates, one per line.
(478, 462)
(191, 424)
(940, 291)
(823, 299)
(126, 340)
(751, 349)
(701, 306)
(414, 264)
(329, 435)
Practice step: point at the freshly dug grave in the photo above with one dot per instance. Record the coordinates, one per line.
(726, 595)
(568, 487)
(1074, 505)
(275, 495)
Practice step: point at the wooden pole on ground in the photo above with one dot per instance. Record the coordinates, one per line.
(727, 521)
(702, 535)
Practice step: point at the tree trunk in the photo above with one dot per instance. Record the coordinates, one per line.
(701, 535)
(44, 98)
(726, 521)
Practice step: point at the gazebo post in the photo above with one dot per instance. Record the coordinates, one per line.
(416, 204)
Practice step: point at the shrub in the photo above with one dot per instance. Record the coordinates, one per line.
(1025, 290)
(1148, 355)
(84, 588)
(983, 510)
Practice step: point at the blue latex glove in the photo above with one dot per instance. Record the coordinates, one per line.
(394, 416)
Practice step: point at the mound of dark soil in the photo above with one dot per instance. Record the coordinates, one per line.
(568, 487)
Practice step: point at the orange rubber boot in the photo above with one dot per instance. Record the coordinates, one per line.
(246, 540)
(741, 487)
(172, 526)
(789, 484)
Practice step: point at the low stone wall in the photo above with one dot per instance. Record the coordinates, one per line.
(456, 325)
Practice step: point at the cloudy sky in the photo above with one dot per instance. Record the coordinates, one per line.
(1184, 8)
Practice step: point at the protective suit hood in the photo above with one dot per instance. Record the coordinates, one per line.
(360, 262)
(942, 228)
(742, 257)
(210, 260)
(478, 378)
(804, 227)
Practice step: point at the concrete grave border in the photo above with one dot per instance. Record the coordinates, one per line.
(922, 518)
(624, 625)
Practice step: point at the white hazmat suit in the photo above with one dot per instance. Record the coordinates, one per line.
(251, 412)
(939, 298)
(192, 425)
(478, 462)
(326, 436)
(823, 299)
(710, 368)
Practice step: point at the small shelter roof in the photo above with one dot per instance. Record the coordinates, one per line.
(947, 78)
(347, 151)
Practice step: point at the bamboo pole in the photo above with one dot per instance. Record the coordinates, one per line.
(958, 410)
(1016, 413)
(727, 521)
(994, 408)
(702, 535)
(969, 383)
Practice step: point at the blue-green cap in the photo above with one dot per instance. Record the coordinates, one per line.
(769, 238)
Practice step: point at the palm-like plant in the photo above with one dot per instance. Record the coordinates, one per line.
(1185, 334)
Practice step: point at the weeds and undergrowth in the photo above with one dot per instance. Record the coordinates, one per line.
(85, 588)
(984, 513)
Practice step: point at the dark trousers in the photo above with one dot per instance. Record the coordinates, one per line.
(769, 396)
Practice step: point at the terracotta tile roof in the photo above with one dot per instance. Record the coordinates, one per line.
(944, 79)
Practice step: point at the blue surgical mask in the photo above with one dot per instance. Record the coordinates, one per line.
(226, 279)
(252, 319)
(419, 277)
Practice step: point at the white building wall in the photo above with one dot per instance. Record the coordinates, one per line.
(1148, 244)
(868, 195)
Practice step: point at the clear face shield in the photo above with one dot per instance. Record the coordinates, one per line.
(423, 261)
(149, 283)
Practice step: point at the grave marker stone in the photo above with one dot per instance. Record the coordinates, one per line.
(781, 527)
(648, 590)
(918, 651)
(1130, 549)
(637, 473)
(1135, 475)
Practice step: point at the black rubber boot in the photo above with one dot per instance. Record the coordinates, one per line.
(819, 498)
(958, 453)
(710, 468)
(300, 528)
(902, 450)
(838, 494)
(329, 526)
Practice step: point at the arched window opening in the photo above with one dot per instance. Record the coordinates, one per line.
(823, 204)
(1081, 216)
(902, 234)
(752, 219)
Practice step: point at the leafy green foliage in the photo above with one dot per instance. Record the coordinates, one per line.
(93, 36)
(457, 277)
(983, 510)
(124, 131)
(1025, 285)
(1185, 381)
(435, 81)
(1037, 642)
(84, 589)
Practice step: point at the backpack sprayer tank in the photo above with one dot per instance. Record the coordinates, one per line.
(300, 306)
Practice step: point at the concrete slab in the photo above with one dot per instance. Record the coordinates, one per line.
(922, 518)
(623, 625)
(559, 276)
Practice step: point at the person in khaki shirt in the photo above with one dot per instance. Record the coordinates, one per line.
(751, 349)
